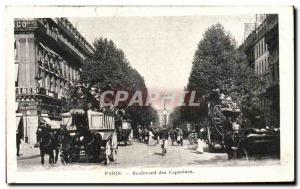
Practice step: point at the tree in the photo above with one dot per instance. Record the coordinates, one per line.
(108, 69)
(219, 64)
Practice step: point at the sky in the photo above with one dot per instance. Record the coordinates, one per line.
(160, 48)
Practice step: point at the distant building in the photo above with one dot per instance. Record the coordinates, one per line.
(262, 50)
(48, 55)
(163, 118)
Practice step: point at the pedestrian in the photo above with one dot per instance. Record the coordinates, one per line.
(157, 135)
(200, 147)
(18, 141)
(151, 135)
(164, 136)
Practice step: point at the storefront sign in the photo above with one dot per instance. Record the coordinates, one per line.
(32, 105)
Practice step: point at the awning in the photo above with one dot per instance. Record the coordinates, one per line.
(67, 114)
(53, 124)
(49, 50)
(18, 119)
(16, 72)
(16, 106)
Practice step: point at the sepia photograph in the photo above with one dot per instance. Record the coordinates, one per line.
(150, 94)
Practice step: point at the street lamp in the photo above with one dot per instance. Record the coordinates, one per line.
(165, 111)
(165, 116)
(26, 133)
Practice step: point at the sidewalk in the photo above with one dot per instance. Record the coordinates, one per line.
(28, 151)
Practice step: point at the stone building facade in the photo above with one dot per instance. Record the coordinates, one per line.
(48, 55)
(262, 50)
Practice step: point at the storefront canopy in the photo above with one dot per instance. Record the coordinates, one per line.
(67, 114)
(53, 124)
(16, 106)
(16, 72)
(18, 119)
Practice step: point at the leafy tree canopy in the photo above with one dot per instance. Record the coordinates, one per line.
(108, 69)
(219, 64)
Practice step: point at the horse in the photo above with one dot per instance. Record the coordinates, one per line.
(48, 144)
(69, 151)
(90, 141)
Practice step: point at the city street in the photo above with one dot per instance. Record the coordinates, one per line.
(144, 156)
(85, 86)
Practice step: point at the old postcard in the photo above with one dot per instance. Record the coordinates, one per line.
(100, 94)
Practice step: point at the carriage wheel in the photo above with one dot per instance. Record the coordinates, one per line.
(210, 147)
(243, 154)
(107, 152)
(113, 155)
(130, 140)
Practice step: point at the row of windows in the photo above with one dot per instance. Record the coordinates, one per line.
(53, 31)
(270, 79)
(52, 83)
(52, 61)
(260, 48)
(60, 66)
(264, 103)
(262, 66)
(71, 28)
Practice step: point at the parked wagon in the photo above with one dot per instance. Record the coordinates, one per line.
(89, 133)
(124, 131)
(226, 131)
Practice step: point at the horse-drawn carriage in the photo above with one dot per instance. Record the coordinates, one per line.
(89, 133)
(227, 130)
(124, 131)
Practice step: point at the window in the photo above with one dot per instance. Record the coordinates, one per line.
(64, 69)
(69, 73)
(262, 66)
(43, 79)
(72, 74)
(15, 50)
(47, 86)
(51, 84)
(265, 64)
(255, 51)
(46, 59)
(57, 86)
(256, 69)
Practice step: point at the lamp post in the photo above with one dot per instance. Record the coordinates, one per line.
(165, 116)
(165, 111)
(26, 133)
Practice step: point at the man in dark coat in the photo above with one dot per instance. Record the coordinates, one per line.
(164, 136)
(164, 133)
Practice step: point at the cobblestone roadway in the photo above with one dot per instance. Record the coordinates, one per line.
(142, 155)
